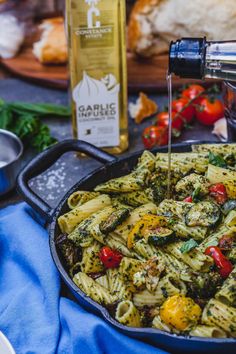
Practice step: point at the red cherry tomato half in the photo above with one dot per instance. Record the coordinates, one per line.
(177, 121)
(188, 199)
(185, 109)
(193, 91)
(209, 111)
(110, 258)
(219, 193)
(154, 135)
(223, 264)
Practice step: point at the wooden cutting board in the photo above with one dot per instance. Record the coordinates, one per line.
(148, 75)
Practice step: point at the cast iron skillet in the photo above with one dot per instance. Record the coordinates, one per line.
(112, 167)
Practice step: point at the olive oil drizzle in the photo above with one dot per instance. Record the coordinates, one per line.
(169, 84)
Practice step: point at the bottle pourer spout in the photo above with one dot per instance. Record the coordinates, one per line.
(187, 57)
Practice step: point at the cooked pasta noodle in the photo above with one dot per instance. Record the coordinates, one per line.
(127, 314)
(218, 314)
(208, 331)
(227, 293)
(93, 289)
(68, 221)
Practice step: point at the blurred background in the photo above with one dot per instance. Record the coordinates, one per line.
(34, 69)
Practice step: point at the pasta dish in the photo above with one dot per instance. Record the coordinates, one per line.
(158, 262)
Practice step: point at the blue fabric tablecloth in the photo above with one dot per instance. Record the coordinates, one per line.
(33, 315)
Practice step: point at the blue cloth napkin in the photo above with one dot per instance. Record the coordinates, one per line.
(33, 315)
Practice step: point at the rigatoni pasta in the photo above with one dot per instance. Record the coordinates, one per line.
(71, 219)
(152, 260)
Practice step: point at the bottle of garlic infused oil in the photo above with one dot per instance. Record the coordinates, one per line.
(98, 73)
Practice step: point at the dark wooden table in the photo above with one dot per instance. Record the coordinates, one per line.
(53, 184)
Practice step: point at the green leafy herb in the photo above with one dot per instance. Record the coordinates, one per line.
(188, 246)
(24, 119)
(196, 194)
(41, 109)
(217, 160)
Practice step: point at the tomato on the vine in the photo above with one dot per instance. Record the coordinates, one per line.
(186, 110)
(163, 121)
(154, 135)
(193, 91)
(209, 110)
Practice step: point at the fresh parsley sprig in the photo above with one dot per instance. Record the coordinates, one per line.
(24, 119)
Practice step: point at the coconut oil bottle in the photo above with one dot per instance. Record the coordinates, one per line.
(98, 73)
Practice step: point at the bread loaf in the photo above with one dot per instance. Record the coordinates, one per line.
(52, 46)
(154, 23)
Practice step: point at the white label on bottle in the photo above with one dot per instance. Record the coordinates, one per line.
(97, 110)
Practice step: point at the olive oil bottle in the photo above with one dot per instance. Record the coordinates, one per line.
(98, 73)
(197, 58)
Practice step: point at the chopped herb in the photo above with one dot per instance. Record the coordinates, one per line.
(217, 160)
(188, 246)
(196, 194)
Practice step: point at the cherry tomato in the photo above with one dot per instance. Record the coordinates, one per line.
(154, 135)
(226, 243)
(223, 264)
(177, 121)
(188, 199)
(218, 192)
(110, 258)
(209, 111)
(193, 91)
(185, 109)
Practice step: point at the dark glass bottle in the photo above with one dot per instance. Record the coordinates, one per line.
(198, 58)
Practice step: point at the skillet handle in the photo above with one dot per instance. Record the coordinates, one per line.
(46, 159)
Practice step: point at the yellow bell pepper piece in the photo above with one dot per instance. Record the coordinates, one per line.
(147, 222)
(180, 312)
(230, 188)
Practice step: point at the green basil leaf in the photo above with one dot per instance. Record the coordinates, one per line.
(6, 117)
(196, 195)
(188, 246)
(217, 160)
(2, 103)
(41, 109)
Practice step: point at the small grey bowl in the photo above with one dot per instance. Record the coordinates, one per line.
(11, 149)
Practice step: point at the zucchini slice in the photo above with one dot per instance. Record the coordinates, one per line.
(160, 236)
(114, 219)
(228, 206)
(204, 213)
